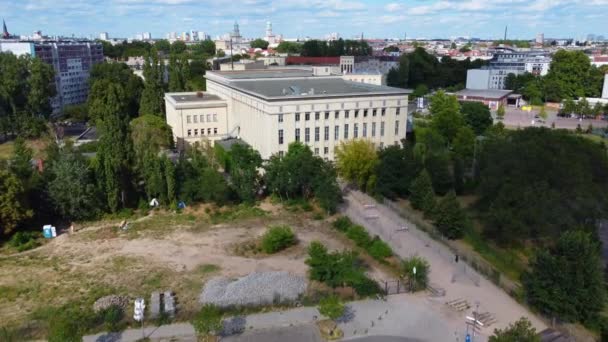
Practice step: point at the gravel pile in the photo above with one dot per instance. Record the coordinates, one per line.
(261, 288)
(107, 301)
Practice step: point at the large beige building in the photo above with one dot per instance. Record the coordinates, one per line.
(268, 109)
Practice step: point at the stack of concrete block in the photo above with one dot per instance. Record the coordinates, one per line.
(169, 301)
(155, 305)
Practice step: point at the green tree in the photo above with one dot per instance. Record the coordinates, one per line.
(331, 307)
(41, 84)
(500, 112)
(259, 43)
(277, 238)
(438, 166)
(420, 190)
(13, 210)
(118, 73)
(178, 47)
(150, 134)
(21, 161)
(477, 116)
(208, 321)
(326, 189)
(71, 188)
(243, 169)
(464, 143)
(446, 116)
(419, 278)
(395, 170)
(567, 281)
(519, 331)
(205, 48)
(420, 90)
(450, 219)
(152, 96)
(178, 73)
(571, 71)
(114, 150)
(392, 78)
(356, 161)
(162, 45)
(543, 113)
(289, 47)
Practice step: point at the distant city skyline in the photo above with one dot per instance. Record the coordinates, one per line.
(313, 18)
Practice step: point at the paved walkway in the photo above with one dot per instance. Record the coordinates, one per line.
(459, 280)
(400, 315)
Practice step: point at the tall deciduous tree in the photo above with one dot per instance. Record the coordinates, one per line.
(13, 208)
(568, 280)
(244, 175)
(152, 96)
(41, 88)
(396, 170)
(71, 188)
(520, 331)
(421, 190)
(259, 43)
(356, 162)
(114, 151)
(446, 116)
(477, 116)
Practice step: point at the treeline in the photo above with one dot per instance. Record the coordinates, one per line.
(27, 86)
(422, 71)
(334, 48)
(124, 50)
(571, 76)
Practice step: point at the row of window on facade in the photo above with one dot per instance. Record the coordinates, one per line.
(307, 115)
(201, 118)
(326, 149)
(202, 131)
(317, 132)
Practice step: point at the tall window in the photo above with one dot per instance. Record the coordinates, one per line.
(336, 133)
(280, 117)
(337, 114)
(306, 116)
(317, 115)
(202, 118)
(383, 111)
(280, 137)
(397, 127)
(355, 131)
(297, 134)
(345, 131)
(374, 112)
(326, 133)
(317, 133)
(208, 117)
(306, 134)
(398, 111)
(365, 113)
(189, 132)
(297, 116)
(356, 113)
(195, 131)
(326, 115)
(208, 131)
(373, 129)
(382, 128)
(346, 112)
(316, 151)
(214, 117)
(215, 131)
(188, 119)
(365, 129)
(195, 117)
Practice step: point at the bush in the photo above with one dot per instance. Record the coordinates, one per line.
(359, 235)
(342, 223)
(23, 241)
(379, 249)
(208, 321)
(69, 323)
(331, 307)
(277, 238)
(112, 316)
(420, 279)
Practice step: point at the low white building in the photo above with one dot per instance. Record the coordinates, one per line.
(269, 109)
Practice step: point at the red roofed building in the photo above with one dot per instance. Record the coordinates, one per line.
(312, 60)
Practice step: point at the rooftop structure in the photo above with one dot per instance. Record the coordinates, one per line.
(492, 98)
(5, 33)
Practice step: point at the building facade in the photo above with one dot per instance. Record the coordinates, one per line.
(505, 62)
(72, 62)
(605, 89)
(269, 109)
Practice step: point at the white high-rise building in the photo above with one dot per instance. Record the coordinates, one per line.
(104, 36)
(540, 39)
(270, 37)
(203, 36)
(146, 35)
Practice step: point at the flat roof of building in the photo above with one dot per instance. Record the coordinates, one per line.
(263, 73)
(484, 93)
(193, 97)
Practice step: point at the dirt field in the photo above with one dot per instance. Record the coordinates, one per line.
(157, 252)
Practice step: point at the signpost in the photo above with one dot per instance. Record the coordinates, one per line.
(138, 315)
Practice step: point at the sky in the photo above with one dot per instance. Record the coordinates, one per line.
(312, 18)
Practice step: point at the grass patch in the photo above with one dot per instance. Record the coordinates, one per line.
(375, 247)
(207, 268)
(239, 212)
(161, 224)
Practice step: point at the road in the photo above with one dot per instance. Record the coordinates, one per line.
(455, 278)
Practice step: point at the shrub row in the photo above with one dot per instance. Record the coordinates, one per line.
(377, 248)
(277, 238)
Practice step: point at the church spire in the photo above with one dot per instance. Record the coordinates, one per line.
(5, 33)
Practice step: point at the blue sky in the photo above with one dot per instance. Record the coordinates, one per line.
(314, 18)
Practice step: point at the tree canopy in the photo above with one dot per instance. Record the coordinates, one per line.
(259, 43)
(356, 162)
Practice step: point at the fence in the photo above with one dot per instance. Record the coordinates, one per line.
(397, 286)
(471, 265)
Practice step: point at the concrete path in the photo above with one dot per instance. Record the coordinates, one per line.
(459, 280)
(400, 315)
